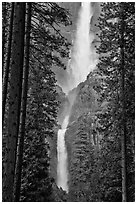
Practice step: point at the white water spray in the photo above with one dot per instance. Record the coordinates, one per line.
(82, 62)
(62, 171)
(83, 55)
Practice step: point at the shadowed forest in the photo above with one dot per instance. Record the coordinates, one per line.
(68, 102)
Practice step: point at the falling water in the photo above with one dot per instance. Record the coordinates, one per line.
(83, 57)
(81, 64)
(62, 172)
(82, 61)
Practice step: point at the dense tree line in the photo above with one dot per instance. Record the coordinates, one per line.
(29, 96)
(112, 170)
(116, 64)
(100, 136)
(82, 163)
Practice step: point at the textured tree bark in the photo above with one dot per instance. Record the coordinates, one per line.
(123, 135)
(6, 71)
(4, 21)
(14, 100)
(23, 114)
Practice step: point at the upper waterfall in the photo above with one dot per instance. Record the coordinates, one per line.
(82, 55)
(82, 62)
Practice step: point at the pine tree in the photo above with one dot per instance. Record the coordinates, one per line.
(116, 56)
(24, 104)
(4, 24)
(42, 106)
(123, 91)
(129, 56)
(41, 116)
(14, 100)
(82, 161)
(7, 63)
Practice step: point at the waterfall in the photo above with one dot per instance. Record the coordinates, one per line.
(83, 57)
(62, 171)
(83, 61)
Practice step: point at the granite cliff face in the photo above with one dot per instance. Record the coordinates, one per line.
(81, 101)
(69, 32)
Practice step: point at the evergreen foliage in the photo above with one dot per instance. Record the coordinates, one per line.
(42, 104)
(48, 47)
(100, 136)
(115, 23)
(82, 162)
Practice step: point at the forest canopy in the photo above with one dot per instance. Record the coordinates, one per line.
(100, 134)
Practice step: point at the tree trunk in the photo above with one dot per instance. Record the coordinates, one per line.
(6, 71)
(23, 115)
(123, 135)
(14, 100)
(4, 22)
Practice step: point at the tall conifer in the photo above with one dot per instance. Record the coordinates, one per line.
(14, 100)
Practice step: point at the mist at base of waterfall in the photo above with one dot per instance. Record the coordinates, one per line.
(82, 62)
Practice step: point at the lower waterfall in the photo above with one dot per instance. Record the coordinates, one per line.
(82, 62)
(62, 170)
